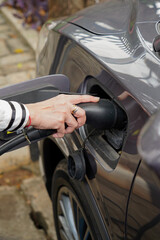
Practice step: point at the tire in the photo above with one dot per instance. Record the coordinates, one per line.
(74, 212)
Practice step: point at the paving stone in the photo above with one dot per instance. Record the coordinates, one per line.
(19, 67)
(36, 193)
(3, 49)
(3, 81)
(33, 167)
(12, 160)
(2, 20)
(7, 34)
(16, 44)
(4, 28)
(18, 77)
(16, 58)
(15, 220)
(31, 74)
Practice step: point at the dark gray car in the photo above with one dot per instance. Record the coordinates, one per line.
(110, 50)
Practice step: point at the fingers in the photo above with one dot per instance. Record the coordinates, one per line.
(71, 123)
(80, 116)
(54, 113)
(75, 99)
(66, 123)
(58, 135)
(83, 98)
(75, 116)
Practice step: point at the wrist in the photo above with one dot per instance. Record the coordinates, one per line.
(31, 117)
(29, 122)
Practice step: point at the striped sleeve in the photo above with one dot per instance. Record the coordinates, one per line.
(13, 115)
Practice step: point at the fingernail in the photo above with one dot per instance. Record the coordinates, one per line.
(97, 98)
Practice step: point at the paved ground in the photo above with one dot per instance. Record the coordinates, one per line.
(17, 64)
(25, 208)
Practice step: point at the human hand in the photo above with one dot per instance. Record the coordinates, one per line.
(57, 113)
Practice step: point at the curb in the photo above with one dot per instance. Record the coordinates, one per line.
(29, 35)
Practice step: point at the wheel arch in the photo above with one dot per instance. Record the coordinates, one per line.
(51, 155)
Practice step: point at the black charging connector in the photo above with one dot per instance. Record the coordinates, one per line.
(104, 114)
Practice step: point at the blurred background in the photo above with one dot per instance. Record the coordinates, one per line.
(36, 12)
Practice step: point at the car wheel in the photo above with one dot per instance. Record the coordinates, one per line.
(73, 210)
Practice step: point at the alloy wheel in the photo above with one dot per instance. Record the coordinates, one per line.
(72, 221)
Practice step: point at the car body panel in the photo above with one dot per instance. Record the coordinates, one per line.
(144, 206)
(105, 18)
(113, 211)
(124, 64)
(132, 67)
